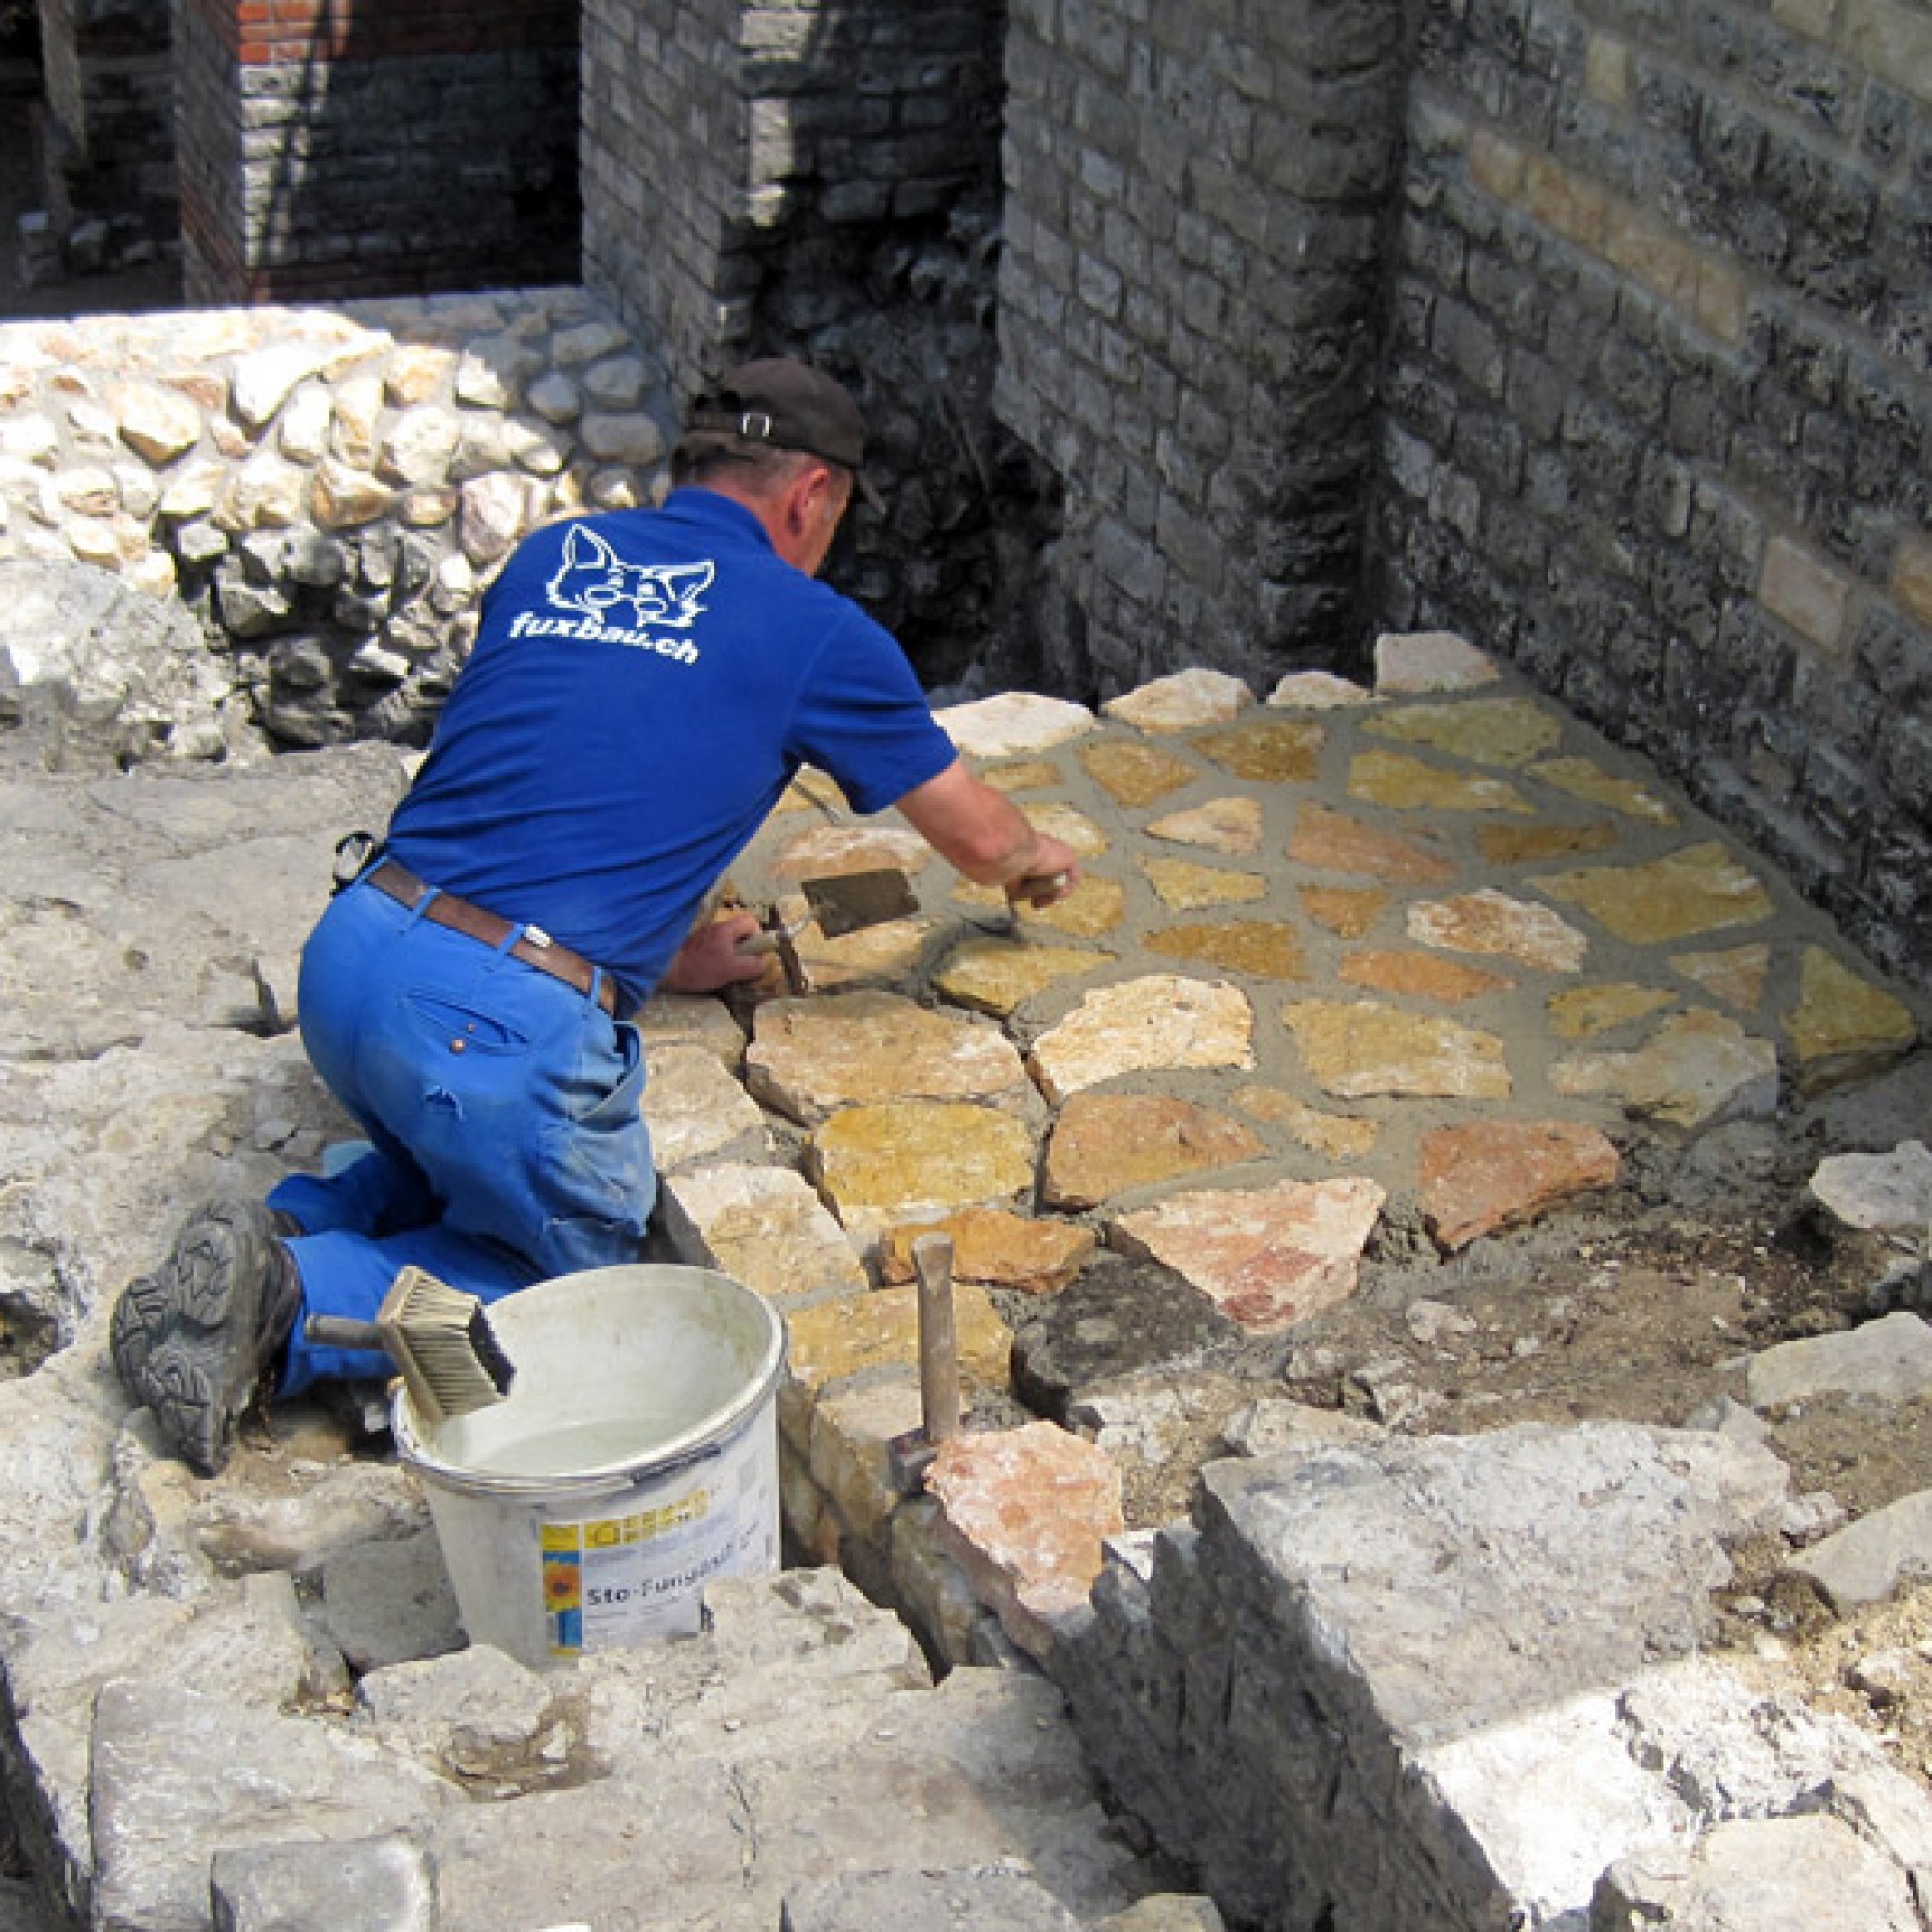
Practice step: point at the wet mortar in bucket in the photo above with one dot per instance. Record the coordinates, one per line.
(634, 1460)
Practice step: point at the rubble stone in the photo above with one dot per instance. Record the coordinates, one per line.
(1027, 1510)
(1266, 1257)
(1500, 1174)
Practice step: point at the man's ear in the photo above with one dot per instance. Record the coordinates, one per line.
(815, 491)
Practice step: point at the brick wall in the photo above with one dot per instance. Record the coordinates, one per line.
(1195, 199)
(335, 149)
(1657, 403)
(665, 131)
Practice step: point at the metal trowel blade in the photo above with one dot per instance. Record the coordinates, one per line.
(851, 901)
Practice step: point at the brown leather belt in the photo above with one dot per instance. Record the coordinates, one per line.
(533, 947)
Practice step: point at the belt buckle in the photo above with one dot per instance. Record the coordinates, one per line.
(537, 936)
(354, 851)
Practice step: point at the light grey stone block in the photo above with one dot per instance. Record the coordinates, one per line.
(960, 1901)
(369, 1885)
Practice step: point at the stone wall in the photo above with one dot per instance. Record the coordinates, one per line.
(339, 151)
(1401, 1686)
(836, 195)
(1195, 199)
(1659, 403)
(329, 491)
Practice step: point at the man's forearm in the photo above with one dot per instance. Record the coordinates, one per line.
(982, 832)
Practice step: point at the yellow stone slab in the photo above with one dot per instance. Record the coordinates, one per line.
(1486, 731)
(1268, 751)
(1347, 911)
(1353, 1048)
(1331, 841)
(1000, 1249)
(1093, 908)
(1409, 784)
(1583, 1011)
(1421, 975)
(830, 850)
(998, 976)
(1160, 1023)
(878, 955)
(1264, 947)
(908, 1160)
(1230, 825)
(1071, 827)
(1736, 976)
(1843, 1026)
(880, 1330)
(1700, 888)
(1107, 1144)
(1522, 844)
(1134, 774)
(1181, 700)
(1337, 1136)
(809, 1058)
(1029, 775)
(1582, 778)
(1496, 925)
(1185, 886)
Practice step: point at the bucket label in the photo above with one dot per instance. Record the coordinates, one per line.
(617, 1577)
(610, 1580)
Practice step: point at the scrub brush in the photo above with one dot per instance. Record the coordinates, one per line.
(439, 1338)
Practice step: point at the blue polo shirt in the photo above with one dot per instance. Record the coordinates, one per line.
(643, 689)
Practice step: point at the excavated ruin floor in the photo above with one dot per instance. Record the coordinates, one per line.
(1409, 1052)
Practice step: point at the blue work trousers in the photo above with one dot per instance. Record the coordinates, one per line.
(503, 1111)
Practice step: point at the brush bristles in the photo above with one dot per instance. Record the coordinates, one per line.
(489, 1351)
(441, 1340)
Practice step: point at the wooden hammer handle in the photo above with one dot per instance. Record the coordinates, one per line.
(938, 1340)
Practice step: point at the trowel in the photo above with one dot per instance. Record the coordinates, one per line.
(844, 903)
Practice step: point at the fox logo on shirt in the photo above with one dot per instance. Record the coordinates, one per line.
(595, 579)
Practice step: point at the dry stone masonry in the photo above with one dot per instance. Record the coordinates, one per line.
(327, 491)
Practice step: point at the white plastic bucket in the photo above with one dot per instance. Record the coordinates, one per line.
(635, 1458)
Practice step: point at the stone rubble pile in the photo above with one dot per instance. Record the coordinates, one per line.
(1389, 1678)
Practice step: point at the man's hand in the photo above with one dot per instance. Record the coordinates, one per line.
(710, 958)
(1044, 889)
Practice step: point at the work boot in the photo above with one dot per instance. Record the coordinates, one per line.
(192, 1339)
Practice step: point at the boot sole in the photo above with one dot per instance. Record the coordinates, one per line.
(182, 1339)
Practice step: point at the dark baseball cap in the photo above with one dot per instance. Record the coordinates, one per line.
(789, 405)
